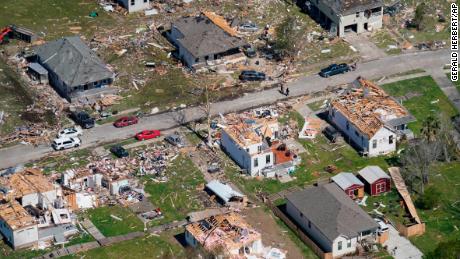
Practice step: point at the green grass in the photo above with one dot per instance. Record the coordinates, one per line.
(316, 106)
(52, 19)
(63, 162)
(443, 222)
(111, 227)
(457, 83)
(423, 102)
(178, 196)
(143, 247)
(7, 252)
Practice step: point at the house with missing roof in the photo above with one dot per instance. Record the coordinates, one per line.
(350, 184)
(331, 219)
(203, 38)
(369, 118)
(340, 16)
(376, 181)
(73, 68)
(17, 227)
(225, 193)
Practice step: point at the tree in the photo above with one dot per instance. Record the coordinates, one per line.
(420, 16)
(429, 199)
(430, 128)
(446, 250)
(286, 37)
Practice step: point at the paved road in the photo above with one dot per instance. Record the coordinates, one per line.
(305, 85)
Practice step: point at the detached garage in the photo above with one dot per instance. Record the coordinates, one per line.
(375, 180)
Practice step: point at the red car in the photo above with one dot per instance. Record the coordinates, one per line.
(125, 121)
(147, 134)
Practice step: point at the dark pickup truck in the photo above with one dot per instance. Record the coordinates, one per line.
(334, 69)
(83, 119)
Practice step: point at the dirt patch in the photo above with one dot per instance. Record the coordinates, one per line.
(272, 234)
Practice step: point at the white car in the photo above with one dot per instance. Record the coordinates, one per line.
(65, 143)
(70, 132)
(382, 225)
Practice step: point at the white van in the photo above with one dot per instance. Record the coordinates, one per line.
(64, 143)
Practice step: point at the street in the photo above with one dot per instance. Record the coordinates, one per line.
(429, 61)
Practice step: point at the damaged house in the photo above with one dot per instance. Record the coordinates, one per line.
(369, 118)
(135, 5)
(331, 219)
(253, 144)
(225, 193)
(228, 233)
(203, 38)
(18, 228)
(74, 70)
(341, 16)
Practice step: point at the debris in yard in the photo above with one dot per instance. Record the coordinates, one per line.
(115, 217)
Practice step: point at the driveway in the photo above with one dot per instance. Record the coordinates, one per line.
(400, 247)
(366, 48)
(389, 65)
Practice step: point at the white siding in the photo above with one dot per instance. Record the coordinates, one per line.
(382, 138)
(135, 5)
(345, 249)
(25, 237)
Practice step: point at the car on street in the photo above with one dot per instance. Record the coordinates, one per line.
(70, 132)
(65, 143)
(125, 121)
(148, 134)
(250, 51)
(248, 26)
(251, 75)
(119, 151)
(334, 69)
(175, 140)
(83, 119)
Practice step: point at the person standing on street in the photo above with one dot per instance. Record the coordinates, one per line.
(287, 91)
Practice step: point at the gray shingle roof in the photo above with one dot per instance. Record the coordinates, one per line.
(332, 211)
(345, 180)
(345, 7)
(372, 173)
(202, 37)
(72, 61)
(38, 68)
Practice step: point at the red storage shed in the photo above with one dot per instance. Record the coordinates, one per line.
(351, 185)
(375, 180)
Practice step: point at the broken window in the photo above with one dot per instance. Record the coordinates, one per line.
(267, 159)
(256, 162)
(374, 143)
(339, 245)
(390, 139)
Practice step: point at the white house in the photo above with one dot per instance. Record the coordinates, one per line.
(18, 228)
(135, 5)
(80, 180)
(331, 219)
(246, 144)
(351, 15)
(369, 118)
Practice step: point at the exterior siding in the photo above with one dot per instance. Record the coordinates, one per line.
(139, 5)
(387, 188)
(350, 191)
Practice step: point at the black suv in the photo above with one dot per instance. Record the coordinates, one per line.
(334, 69)
(251, 75)
(119, 151)
(83, 119)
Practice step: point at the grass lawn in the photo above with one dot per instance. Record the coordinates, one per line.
(423, 98)
(443, 222)
(177, 196)
(457, 83)
(143, 247)
(7, 252)
(111, 227)
(63, 162)
(52, 19)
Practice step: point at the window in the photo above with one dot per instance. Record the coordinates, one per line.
(374, 143)
(145, 1)
(301, 214)
(356, 133)
(259, 148)
(267, 159)
(309, 224)
(357, 14)
(349, 243)
(390, 139)
(339, 245)
(197, 59)
(133, 2)
(380, 187)
(247, 150)
(256, 162)
(348, 125)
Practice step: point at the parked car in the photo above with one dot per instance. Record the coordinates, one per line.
(174, 140)
(332, 134)
(250, 51)
(65, 143)
(213, 168)
(125, 121)
(382, 225)
(119, 151)
(70, 132)
(147, 134)
(334, 69)
(83, 119)
(248, 26)
(251, 75)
